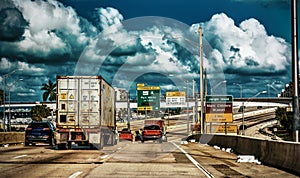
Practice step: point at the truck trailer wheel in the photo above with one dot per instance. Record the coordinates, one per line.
(62, 146)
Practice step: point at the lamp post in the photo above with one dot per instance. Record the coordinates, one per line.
(9, 114)
(187, 109)
(241, 89)
(218, 84)
(243, 119)
(276, 90)
(4, 88)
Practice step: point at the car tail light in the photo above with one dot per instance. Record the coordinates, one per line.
(28, 128)
(46, 128)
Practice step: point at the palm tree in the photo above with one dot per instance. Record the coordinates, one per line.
(50, 91)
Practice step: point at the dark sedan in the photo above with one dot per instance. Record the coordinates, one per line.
(39, 132)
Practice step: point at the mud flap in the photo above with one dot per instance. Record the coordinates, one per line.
(95, 140)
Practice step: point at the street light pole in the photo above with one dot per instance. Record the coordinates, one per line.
(9, 114)
(243, 106)
(187, 109)
(218, 84)
(241, 89)
(4, 88)
(128, 110)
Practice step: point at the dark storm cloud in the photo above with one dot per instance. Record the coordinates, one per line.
(43, 32)
(269, 3)
(12, 24)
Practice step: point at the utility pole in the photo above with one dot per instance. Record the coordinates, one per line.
(295, 71)
(201, 80)
(128, 110)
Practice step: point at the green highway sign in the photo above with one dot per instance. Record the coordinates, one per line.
(148, 98)
(218, 99)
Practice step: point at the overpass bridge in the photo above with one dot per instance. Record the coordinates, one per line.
(280, 102)
(237, 102)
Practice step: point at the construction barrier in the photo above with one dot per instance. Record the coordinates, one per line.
(11, 137)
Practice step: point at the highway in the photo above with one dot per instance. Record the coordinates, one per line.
(131, 159)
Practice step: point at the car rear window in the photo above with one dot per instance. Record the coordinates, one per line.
(38, 125)
(152, 127)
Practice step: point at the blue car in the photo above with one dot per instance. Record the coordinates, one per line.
(39, 132)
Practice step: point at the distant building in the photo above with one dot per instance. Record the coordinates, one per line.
(288, 91)
(20, 113)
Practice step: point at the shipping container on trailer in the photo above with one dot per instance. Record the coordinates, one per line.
(85, 112)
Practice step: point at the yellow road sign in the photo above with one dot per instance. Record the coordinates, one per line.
(221, 129)
(145, 108)
(218, 117)
(175, 93)
(148, 88)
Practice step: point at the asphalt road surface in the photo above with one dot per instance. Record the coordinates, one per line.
(131, 159)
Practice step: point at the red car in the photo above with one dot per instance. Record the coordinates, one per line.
(126, 134)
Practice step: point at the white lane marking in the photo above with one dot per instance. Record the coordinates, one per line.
(105, 156)
(20, 156)
(202, 169)
(75, 174)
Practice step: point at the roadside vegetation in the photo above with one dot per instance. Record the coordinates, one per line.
(38, 112)
(285, 121)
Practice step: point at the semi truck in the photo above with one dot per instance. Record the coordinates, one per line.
(85, 114)
(154, 130)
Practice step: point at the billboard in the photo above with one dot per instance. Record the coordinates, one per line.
(175, 99)
(148, 98)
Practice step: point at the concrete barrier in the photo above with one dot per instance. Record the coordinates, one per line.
(11, 137)
(280, 154)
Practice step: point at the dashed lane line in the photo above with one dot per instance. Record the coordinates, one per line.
(75, 174)
(16, 157)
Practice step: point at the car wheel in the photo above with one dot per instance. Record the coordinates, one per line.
(160, 140)
(26, 143)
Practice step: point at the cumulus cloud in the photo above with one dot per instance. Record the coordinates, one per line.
(246, 47)
(107, 17)
(126, 54)
(8, 66)
(231, 51)
(125, 50)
